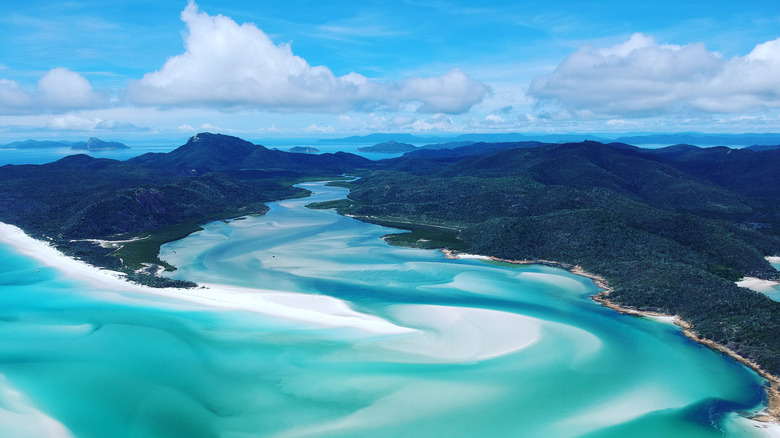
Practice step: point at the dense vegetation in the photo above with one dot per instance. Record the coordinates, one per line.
(152, 199)
(669, 229)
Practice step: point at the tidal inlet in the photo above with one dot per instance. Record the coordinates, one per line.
(308, 324)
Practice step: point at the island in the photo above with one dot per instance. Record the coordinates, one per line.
(665, 231)
(116, 214)
(96, 144)
(92, 144)
(303, 150)
(389, 147)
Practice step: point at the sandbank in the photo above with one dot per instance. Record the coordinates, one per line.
(21, 418)
(757, 284)
(320, 310)
(769, 417)
(453, 255)
(459, 334)
(441, 333)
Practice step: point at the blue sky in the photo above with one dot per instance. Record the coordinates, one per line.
(142, 68)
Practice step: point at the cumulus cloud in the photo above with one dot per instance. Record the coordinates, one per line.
(232, 65)
(70, 122)
(12, 97)
(641, 77)
(327, 129)
(438, 122)
(59, 90)
(62, 88)
(494, 119)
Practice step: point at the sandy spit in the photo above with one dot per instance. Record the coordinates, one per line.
(770, 417)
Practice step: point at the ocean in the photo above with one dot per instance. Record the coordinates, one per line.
(310, 325)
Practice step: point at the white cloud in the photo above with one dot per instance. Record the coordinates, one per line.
(71, 122)
(58, 91)
(186, 128)
(62, 88)
(452, 93)
(212, 128)
(327, 129)
(239, 66)
(12, 97)
(399, 121)
(494, 118)
(641, 78)
(439, 122)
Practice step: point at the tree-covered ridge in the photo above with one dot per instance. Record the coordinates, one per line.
(670, 229)
(159, 197)
(666, 240)
(207, 152)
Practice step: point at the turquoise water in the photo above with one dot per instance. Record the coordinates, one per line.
(774, 291)
(480, 349)
(770, 289)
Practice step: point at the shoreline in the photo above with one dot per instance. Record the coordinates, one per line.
(769, 416)
(280, 304)
(317, 310)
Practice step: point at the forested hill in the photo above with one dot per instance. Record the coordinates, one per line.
(671, 230)
(163, 196)
(207, 152)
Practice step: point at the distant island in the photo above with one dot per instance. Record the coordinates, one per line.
(96, 144)
(697, 138)
(389, 147)
(92, 144)
(303, 150)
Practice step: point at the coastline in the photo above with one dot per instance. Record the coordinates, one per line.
(318, 310)
(769, 417)
(333, 312)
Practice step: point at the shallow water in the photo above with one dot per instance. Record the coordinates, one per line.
(489, 349)
(769, 288)
(774, 291)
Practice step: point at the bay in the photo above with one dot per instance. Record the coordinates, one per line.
(413, 345)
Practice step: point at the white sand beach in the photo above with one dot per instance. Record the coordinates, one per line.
(21, 419)
(315, 309)
(460, 334)
(477, 333)
(757, 284)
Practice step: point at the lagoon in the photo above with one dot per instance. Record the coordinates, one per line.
(312, 326)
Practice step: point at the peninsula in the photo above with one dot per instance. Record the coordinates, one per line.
(670, 230)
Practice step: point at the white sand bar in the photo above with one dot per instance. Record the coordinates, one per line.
(459, 334)
(757, 284)
(319, 310)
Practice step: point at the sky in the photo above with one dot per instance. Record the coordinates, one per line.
(140, 69)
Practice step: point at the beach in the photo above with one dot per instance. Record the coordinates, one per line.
(317, 310)
(757, 284)
(328, 350)
(770, 418)
(438, 333)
